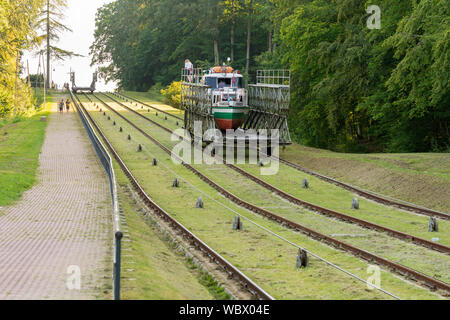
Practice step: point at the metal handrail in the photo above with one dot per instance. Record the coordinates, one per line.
(107, 163)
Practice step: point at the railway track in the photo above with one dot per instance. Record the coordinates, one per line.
(231, 270)
(324, 211)
(150, 106)
(363, 254)
(363, 193)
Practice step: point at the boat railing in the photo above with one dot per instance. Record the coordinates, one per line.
(193, 76)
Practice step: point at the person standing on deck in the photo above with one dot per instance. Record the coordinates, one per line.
(190, 69)
(68, 105)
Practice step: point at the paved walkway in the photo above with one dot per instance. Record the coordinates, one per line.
(63, 221)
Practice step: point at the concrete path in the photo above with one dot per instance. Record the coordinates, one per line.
(63, 221)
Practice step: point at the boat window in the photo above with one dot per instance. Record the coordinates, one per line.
(224, 82)
(228, 82)
(211, 82)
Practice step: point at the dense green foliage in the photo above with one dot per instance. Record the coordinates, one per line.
(143, 42)
(361, 89)
(16, 34)
(353, 88)
(20, 23)
(37, 80)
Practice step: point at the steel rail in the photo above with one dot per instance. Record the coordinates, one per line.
(364, 193)
(147, 105)
(321, 210)
(363, 254)
(230, 269)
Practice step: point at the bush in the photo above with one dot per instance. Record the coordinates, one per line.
(173, 94)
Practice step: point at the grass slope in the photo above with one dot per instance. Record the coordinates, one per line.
(20, 145)
(422, 178)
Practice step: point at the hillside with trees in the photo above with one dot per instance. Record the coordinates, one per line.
(353, 88)
(16, 34)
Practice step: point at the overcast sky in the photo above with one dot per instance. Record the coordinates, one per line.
(80, 17)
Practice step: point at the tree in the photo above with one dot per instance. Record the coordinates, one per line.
(231, 11)
(249, 34)
(140, 43)
(352, 88)
(50, 23)
(264, 13)
(418, 86)
(356, 89)
(210, 24)
(16, 34)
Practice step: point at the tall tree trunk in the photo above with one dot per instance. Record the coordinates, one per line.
(232, 40)
(269, 41)
(48, 43)
(233, 28)
(28, 72)
(216, 53)
(249, 36)
(15, 82)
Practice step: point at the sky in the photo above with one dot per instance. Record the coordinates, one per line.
(80, 17)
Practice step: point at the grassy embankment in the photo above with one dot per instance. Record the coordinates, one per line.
(421, 178)
(21, 140)
(267, 260)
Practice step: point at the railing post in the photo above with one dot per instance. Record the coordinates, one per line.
(117, 264)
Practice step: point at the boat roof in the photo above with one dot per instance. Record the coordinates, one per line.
(223, 72)
(223, 75)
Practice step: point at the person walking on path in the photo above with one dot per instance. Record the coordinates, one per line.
(61, 106)
(67, 105)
